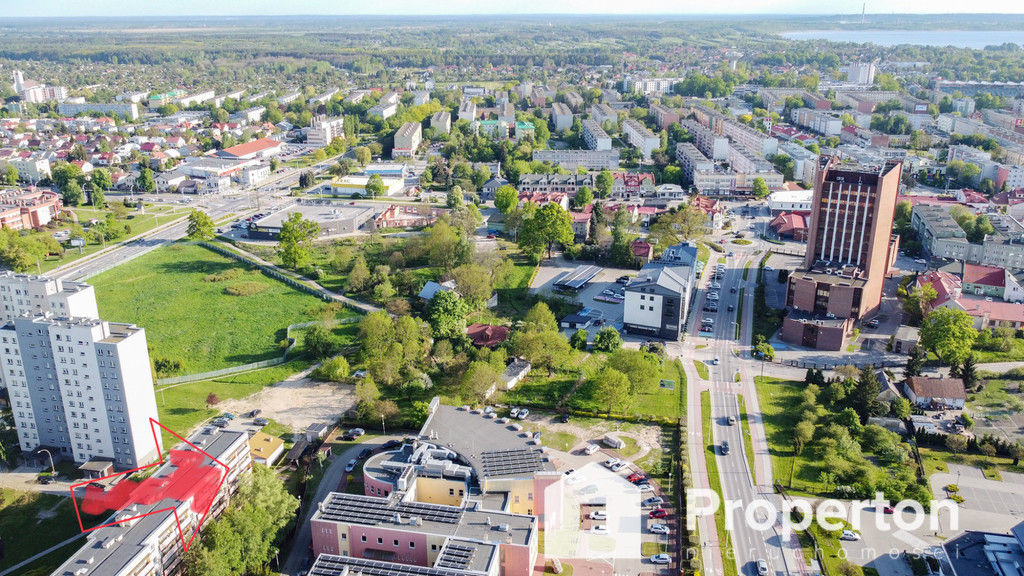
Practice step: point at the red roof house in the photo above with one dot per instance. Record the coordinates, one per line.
(486, 335)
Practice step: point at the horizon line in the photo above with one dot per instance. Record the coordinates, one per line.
(798, 15)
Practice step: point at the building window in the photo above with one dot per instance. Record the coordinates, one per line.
(396, 543)
(412, 544)
(380, 540)
(363, 538)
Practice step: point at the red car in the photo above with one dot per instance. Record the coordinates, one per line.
(634, 477)
(888, 510)
(658, 513)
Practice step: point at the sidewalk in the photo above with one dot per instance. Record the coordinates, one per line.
(710, 552)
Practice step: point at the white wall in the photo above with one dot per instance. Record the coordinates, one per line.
(632, 314)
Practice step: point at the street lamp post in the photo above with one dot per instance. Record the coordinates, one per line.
(53, 471)
(382, 424)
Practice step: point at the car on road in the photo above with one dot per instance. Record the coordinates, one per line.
(658, 513)
(716, 361)
(873, 323)
(611, 462)
(732, 421)
(762, 568)
(849, 535)
(47, 480)
(261, 421)
(921, 261)
(364, 453)
(599, 515)
(732, 290)
(653, 501)
(725, 447)
(601, 529)
(351, 465)
(731, 307)
(391, 444)
(659, 528)
(731, 253)
(661, 559)
(591, 449)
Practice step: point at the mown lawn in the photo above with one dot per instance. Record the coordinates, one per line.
(182, 407)
(195, 322)
(702, 369)
(779, 399)
(26, 532)
(748, 444)
(1016, 352)
(664, 402)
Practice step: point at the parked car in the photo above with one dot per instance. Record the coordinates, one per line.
(351, 465)
(618, 466)
(653, 501)
(255, 413)
(645, 488)
(622, 279)
(607, 292)
(391, 444)
(357, 432)
(261, 422)
(849, 535)
(591, 449)
(873, 323)
(600, 529)
(636, 477)
(661, 559)
(228, 415)
(564, 418)
(523, 413)
(611, 462)
(598, 515)
(365, 452)
(888, 509)
(514, 412)
(658, 513)
(659, 528)
(220, 423)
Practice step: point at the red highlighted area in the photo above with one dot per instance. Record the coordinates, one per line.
(192, 478)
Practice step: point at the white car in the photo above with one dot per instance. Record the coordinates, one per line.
(607, 292)
(514, 412)
(591, 449)
(645, 488)
(598, 515)
(715, 286)
(523, 413)
(661, 559)
(618, 466)
(849, 535)
(601, 529)
(350, 466)
(611, 462)
(713, 296)
(762, 568)
(659, 528)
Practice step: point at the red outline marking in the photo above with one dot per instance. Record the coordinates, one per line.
(153, 424)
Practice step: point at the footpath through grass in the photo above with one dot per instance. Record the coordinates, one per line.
(715, 483)
(182, 407)
(196, 322)
(748, 444)
(31, 522)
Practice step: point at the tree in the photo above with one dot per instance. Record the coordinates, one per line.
(11, 175)
(97, 198)
(101, 180)
(363, 156)
(540, 319)
(212, 400)
(578, 340)
(956, 444)
(583, 197)
(359, 275)
(548, 349)
(307, 179)
(375, 186)
(319, 342)
(447, 315)
(865, 392)
(65, 172)
(607, 340)
(455, 199)
(915, 361)
(611, 388)
(377, 333)
(274, 164)
(760, 189)
(145, 182)
(948, 333)
(446, 249)
(969, 372)
(366, 390)
(200, 226)
(900, 408)
(847, 568)
(802, 434)
(474, 282)
(506, 198)
(1016, 452)
(296, 241)
(604, 183)
(72, 193)
(550, 225)
(765, 350)
(479, 380)
(669, 229)
(642, 368)
(333, 370)
(988, 449)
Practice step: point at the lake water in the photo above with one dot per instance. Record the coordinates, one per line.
(976, 39)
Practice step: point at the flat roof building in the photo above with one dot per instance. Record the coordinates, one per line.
(333, 219)
(561, 115)
(594, 136)
(407, 140)
(640, 137)
(573, 159)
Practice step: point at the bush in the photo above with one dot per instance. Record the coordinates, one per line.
(224, 276)
(246, 288)
(957, 498)
(742, 241)
(334, 370)
(166, 366)
(952, 488)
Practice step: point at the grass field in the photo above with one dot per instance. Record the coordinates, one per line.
(1015, 353)
(702, 369)
(715, 483)
(748, 444)
(778, 399)
(196, 322)
(182, 407)
(664, 402)
(31, 522)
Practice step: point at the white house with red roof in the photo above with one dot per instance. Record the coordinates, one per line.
(986, 311)
(262, 148)
(1012, 200)
(991, 282)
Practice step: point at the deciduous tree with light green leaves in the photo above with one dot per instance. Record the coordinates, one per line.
(447, 314)
(296, 241)
(604, 183)
(200, 226)
(949, 333)
(760, 189)
(375, 186)
(550, 225)
(506, 198)
(611, 388)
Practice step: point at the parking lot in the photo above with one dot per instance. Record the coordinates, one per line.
(552, 271)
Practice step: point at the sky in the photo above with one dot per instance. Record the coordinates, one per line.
(468, 7)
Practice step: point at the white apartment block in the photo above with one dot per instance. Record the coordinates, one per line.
(743, 159)
(965, 106)
(805, 162)
(253, 175)
(384, 110)
(603, 113)
(1014, 176)
(323, 130)
(710, 144)
(861, 73)
(407, 139)
(967, 154)
(441, 122)
(562, 116)
(323, 97)
(790, 201)
(594, 136)
(420, 97)
(692, 160)
(467, 111)
(649, 85)
(186, 101)
(756, 140)
(129, 110)
(289, 97)
(252, 115)
(816, 121)
(29, 294)
(640, 137)
(29, 169)
(572, 159)
(81, 387)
